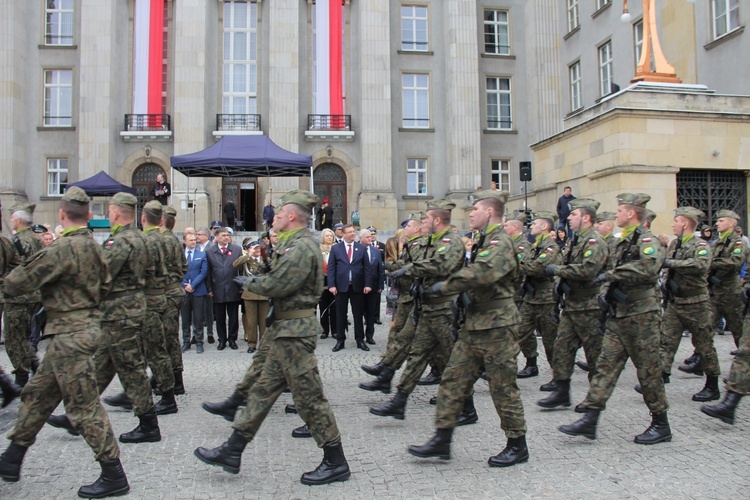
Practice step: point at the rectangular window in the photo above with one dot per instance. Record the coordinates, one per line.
(413, 27)
(496, 32)
(499, 116)
(57, 176)
(58, 98)
(573, 20)
(600, 4)
(574, 72)
(240, 78)
(415, 91)
(416, 176)
(501, 174)
(58, 27)
(726, 16)
(638, 45)
(605, 69)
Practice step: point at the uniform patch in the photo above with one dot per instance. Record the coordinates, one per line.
(702, 252)
(592, 241)
(648, 250)
(494, 242)
(442, 250)
(286, 250)
(520, 256)
(446, 240)
(646, 240)
(521, 249)
(548, 249)
(110, 243)
(415, 243)
(587, 253)
(702, 244)
(737, 251)
(738, 243)
(484, 253)
(543, 256)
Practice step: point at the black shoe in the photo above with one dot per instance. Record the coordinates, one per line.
(179, 385)
(363, 346)
(221, 346)
(210, 339)
(395, 408)
(233, 345)
(586, 426)
(370, 341)
(696, 368)
(167, 405)
(290, 409)
(192, 340)
(22, 378)
(339, 345)
(121, 400)
(323, 336)
(433, 378)
(251, 350)
(530, 370)
(734, 352)
(373, 370)
(199, 349)
(301, 432)
(437, 447)
(185, 346)
(62, 422)
(382, 383)
(378, 322)
(147, 430)
(724, 411)
(583, 365)
(560, 397)
(111, 483)
(226, 408)
(550, 386)
(333, 467)
(581, 408)
(692, 359)
(484, 376)
(711, 390)
(433, 400)
(9, 388)
(515, 452)
(468, 413)
(10, 462)
(228, 455)
(664, 376)
(657, 432)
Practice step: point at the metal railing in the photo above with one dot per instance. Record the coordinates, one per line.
(137, 123)
(329, 122)
(238, 122)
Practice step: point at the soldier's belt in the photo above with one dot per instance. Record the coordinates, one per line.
(299, 314)
(542, 285)
(643, 294)
(121, 293)
(64, 314)
(437, 300)
(691, 293)
(172, 286)
(491, 305)
(154, 291)
(584, 292)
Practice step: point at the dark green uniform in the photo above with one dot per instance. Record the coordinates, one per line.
(739, 374)
(520, 243)
(175, 295)
(729, 253)
(7, 254)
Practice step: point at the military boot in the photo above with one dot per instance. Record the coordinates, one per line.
(561, 396)
(290, 409)
(112, 482)
(121, 400)
(10, 462)
(724, 411)
(586, 426)
(437, 447)
(664, 376)
(228, 455)
(550, 386)
(22, 378)
(696, 367)
(515, 452)
(711, 390)
(333, 467)
(167, 404)
(154, 382)
(62, 422)
(583, 365)
(179, 385)
(373, 370)
(581, 408)
(226, 408)
(10, 389)
(692, 359)
(396, 407)
(302, 432)
(147, 430)
(433, 378)
(468, 413)
(657, 432)
(530, 370)
(382, 383)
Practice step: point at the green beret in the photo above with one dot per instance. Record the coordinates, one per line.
(727, 213)
(546, 215)
(76, 195)
(691, 213)
(417, 216)
(602, 216)
(170, 211)
(447, 205)
(23, 206)
(650, 215)
(584, 203)
(154, 207)
(519, 216)
(125, 200)
(300, 197)
(635, 199)
(501, 196)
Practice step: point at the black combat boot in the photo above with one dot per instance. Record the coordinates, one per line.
(433, 400)
(146, 432)
(382, 383)
(664, 376)
(121, 400)
(583, 365)
(289, 409)
(581, 408)
(62, 422)
(226, 408)
(167, 404)
(696, 368)
(22, 378)
(10, 390)
(550, 386)
(586, 426)
(692, 359)
(111, 483)
(333, 467)
(437, 447)
(10, 462)
(724, 411)
(657, 432)
(530, 370)
(154, 382)
(711, 390)
(302, 432)
(373, 370)
(561, 396)
(515, 452)
(179, 385)
(396, 407)
(228, 455)
(433, 378)
(468, 413)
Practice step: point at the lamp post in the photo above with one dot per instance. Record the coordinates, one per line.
(663, 71)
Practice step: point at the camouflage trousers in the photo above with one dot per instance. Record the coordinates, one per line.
(154, 347)
(16, 335)
(432, 340)
(67, 374)
(400, 337)
(537, 317)
(635, 337)
(175, 299)
(730, 307)
(493, 351)
(739, 373)
(256, 367)
(122, 354)
(697, 319)
(576, 329)
(290, 362)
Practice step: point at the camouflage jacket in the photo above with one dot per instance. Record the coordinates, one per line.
(127, 258)
(587, 260)
(410, 252)
(637, 274)
(729, 253)
(520, 243)
(489, 278)
(611, 242)
(72, 276)
(31, 244)
(175, 258)
(542, 253)
(156, 270)
(249, 266)
(688, 269)
(7, 254)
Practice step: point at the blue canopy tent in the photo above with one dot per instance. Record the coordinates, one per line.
(101, 184)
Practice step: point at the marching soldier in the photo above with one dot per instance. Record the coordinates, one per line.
(8, 387)
(585, 258)
(632, 324)
(514, 228)
(605, 226)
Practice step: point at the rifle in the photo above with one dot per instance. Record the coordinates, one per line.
(526, 286)
(563, 288)
(461, 304)
(417, 288)
(608, 302)
(270, 317)
(670, 287)
(39, 316)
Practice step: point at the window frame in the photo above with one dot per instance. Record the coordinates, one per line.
(498, 123)
(496, 24)
(413, 168)
(415, 45)
(729, 7)
(229, 65)
(607, 65)
(419, 93)
(600, 4)
(53, 94)
(54, 171)
(574, 15)
(575, 84)
(500, 168)
(56, 39)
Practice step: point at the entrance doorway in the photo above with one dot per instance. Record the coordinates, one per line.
(713, 190)
(143, 178)
(242, 191)
(330, 182)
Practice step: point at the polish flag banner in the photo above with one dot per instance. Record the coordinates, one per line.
(148, 57)
(329, 97)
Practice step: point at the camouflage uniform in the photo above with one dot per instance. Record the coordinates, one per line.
(729, 253)
(72, 275)
(739, 373)
(175, 295)
(7, 254)
(520, 243)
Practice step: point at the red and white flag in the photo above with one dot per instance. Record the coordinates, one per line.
(329, 95)
(148, 53)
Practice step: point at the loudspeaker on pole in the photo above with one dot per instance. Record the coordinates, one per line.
(525, 170)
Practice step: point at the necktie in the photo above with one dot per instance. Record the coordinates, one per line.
(349, 251)
(223, 250)
(190, 256)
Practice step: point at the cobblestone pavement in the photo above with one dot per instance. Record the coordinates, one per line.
(706, 459)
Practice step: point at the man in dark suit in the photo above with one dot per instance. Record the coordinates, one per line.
(348, 270)
(268, 215)
(338, 232)
(225, 293)
(196, 294)
(377, 278)
(380, 246)
(230, 212)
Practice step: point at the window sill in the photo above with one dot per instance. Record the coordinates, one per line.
(574, 112)
(572, 32)
(417, 197)
(602, 9)
(497, 131)
(55, 129)
(497, 56)
(723, 38)
(50, 198)
(403, 129)
(418, 52)
(64, 47)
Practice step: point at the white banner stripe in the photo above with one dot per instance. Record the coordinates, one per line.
(322, 58)
(140, 56)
